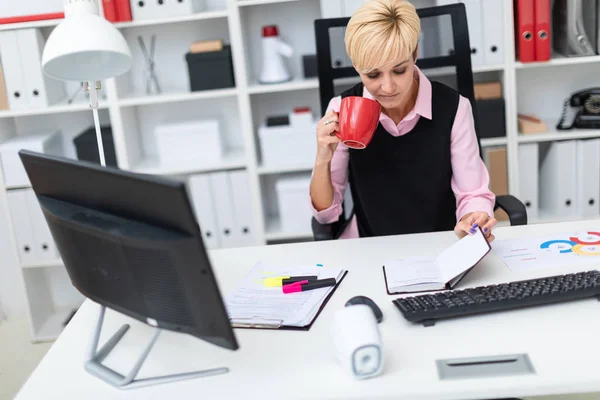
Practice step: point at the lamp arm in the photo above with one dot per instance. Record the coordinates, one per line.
(94, 105)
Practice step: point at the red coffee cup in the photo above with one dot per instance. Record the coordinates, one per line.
(358, 120)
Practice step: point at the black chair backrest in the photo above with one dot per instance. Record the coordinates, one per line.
(444, 52)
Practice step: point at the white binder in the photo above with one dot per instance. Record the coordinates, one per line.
(528, 177)
(21, 223)
(492, 15)
(350, 6)
(179, 8)
(558, 178)
(44, 246)
(588, 177)
(13, 73)
(41, 90)
(473, 8)
(204, 207)
(222, 192)
(242, 207)
(331, 8)
(144, 9)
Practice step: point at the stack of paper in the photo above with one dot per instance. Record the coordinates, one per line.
(254, 304)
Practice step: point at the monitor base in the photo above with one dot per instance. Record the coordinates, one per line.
(93, 363)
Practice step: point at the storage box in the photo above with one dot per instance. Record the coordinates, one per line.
(198, 142)
(491, 117)
(210, 70)
(12, 167)
(293, 199)
(275, 142)
(86, 146)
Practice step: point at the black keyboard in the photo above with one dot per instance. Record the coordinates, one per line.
(427, 308)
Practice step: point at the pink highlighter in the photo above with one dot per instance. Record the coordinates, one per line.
(305, 285)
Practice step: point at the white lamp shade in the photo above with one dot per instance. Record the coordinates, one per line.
(86, 47)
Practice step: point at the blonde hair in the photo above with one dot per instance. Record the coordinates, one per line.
(382, 31)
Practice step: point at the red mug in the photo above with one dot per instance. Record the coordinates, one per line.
(358, 120)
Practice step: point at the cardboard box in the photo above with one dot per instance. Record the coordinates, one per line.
(531, 124)
(488, 90)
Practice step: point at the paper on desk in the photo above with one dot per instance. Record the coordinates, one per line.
(412, 271)
(253, 302)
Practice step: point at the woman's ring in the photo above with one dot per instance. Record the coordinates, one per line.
(328, 122)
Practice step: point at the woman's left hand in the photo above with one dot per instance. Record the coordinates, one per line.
(471, 221)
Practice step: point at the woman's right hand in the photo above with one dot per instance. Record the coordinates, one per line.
(327, 142)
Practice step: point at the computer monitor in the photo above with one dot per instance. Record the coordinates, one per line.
(131, 243)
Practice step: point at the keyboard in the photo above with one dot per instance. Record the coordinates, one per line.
(428, 308)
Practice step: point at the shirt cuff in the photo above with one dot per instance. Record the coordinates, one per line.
(331, 213)
(485, 204)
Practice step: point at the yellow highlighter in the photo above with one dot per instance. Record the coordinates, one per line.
(278, 281)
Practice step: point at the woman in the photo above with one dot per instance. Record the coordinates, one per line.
(422, 171)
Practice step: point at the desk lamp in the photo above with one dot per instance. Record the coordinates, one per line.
(85, 47)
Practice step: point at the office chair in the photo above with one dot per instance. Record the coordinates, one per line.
(444, 55)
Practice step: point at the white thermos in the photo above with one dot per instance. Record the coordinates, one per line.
(273, 48)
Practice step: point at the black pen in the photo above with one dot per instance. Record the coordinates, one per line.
(308, 285)
(293, 279)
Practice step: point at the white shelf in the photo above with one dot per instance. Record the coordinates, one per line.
(296, 84)
(232, 160)
(44, 264)
(558, 60)
(266, 170)
(55, 109)
(499, 141)
(141, 99)
(160, 21)
(31, 24)
(242, 3)
(274, 232)
(52, 326)
(559, 135)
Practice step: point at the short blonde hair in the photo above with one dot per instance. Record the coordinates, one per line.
(381, 31)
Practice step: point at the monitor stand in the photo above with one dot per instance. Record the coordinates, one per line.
(94, 358)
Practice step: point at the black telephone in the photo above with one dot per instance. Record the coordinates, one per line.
(588, 116)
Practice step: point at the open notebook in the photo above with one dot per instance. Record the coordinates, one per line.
(255, 305)
(420, 274)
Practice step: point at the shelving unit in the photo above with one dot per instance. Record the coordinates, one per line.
(132, 113)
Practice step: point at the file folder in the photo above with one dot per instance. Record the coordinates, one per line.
(21, 223)
(525, 27)
(123, 9)
(240, 186)
(13, 73)
(222, 192)
(558, 178)
(542, 30)
(473, 8)
(205, 209)
(528, 177)
(588, 176)
(42, 90)
(44, 246)
(493, 31)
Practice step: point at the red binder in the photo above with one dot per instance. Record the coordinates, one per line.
(525, 30)
(110, 12)
(542, 30)
(123, 10)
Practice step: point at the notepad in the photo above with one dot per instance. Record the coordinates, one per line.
(420, 274)
(256, 305)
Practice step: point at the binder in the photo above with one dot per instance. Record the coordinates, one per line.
(204, 206)
(542, 30)
(41, 90)
(493, 31)
(179, 8)
(588, 176)
(21, 223)
(350, 6)
(222, 193)
(123, 9)
(525, 26)
(110, 10)
(558, 178)
(528, 177)
(13, 73)
(473, 8)
(242, 205)
(44, 246)
(140, 10)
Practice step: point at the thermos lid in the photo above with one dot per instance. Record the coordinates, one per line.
(270, 30)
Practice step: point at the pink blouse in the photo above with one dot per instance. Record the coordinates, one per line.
(470, 178)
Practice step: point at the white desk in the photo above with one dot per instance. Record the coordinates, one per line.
(561, 339)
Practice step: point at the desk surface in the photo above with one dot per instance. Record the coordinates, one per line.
(561, 339)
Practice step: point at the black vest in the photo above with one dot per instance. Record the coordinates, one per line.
(402, 184)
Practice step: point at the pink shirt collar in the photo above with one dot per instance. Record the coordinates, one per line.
(422, 105)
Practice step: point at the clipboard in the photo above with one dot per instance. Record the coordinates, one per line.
(277, 324)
